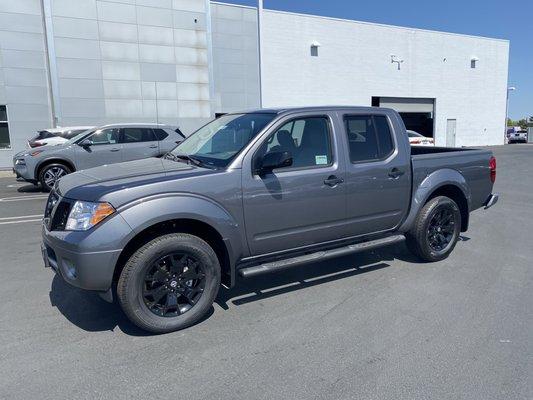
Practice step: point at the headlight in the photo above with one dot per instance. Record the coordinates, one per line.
(20, 161)
(84, 215)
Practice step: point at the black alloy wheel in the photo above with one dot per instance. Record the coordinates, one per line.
(441, 229)
(173, 284)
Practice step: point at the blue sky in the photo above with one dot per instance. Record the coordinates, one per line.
(511, 20)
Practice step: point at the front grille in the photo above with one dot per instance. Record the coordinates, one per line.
(59, 219)
(53, 198)
(56, 212)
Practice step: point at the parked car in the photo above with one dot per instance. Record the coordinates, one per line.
(517, 136)
(257, 192)
(108, 144)
(53, 136)
(416, 139)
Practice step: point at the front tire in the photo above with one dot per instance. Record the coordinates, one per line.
(436, 229)
(49, 174)
(170, 283)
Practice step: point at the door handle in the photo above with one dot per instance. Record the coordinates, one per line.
(333, 181)
(154, 146)
(114, 149)
(395, 173)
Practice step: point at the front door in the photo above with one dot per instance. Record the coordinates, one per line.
(378, 174)
(298, 205)
(104, 148)
(139, 143)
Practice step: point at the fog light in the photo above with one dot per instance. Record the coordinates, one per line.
(70, 269)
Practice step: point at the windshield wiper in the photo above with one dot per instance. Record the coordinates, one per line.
(190, 159)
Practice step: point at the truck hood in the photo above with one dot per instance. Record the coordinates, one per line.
(94, 183)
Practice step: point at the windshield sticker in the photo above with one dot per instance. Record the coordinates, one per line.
(321, 160)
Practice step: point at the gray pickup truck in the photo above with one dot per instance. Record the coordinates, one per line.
(257, 192)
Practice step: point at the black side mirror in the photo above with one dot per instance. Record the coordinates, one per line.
(86, 143)
(273, 160)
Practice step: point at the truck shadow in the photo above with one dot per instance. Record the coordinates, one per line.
(89, 312)
(305, 276)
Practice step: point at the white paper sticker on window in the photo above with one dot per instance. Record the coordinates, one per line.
(321, 160)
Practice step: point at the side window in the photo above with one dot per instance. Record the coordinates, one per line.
(5, 141)
(307, 139)
(137, 135)
(369, 137)
(105, 136)
(386, 146)
(160, 134)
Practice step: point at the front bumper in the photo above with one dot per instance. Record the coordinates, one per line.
(22, 172)
(491, 200)
(86, 259)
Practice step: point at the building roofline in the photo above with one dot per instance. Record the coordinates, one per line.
(366, 22)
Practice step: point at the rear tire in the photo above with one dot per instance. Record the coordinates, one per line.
(49, 174)
(171, 266)
(436, 229)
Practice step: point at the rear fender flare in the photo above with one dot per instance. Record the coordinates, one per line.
(428, 186)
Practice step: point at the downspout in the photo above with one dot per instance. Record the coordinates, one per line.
(51, 67)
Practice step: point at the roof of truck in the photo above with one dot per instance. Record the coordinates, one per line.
(282, 110)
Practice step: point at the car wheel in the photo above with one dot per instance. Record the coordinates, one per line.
(170, 283)
(50, 173)
(436, 229)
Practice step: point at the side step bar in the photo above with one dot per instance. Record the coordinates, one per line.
(319, 256)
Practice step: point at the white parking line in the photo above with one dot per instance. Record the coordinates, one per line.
(21, 221)
(22, 198)
(20, 217)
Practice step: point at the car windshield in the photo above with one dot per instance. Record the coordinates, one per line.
(218, 142)
(414, 134)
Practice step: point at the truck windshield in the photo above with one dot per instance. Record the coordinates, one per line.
(218, 142)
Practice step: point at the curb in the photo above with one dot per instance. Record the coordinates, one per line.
(7, 174)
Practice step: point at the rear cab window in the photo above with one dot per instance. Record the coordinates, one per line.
(369, 137)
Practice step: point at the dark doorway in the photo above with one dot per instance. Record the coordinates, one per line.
(418, 122)
(417, 113)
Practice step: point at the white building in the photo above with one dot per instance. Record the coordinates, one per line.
(91, 62)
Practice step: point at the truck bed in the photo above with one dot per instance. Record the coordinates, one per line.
(472, 164)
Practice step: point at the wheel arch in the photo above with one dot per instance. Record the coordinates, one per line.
(456, 194)
(191, 226)
(187, 213)
(53, 160)
(443, 182)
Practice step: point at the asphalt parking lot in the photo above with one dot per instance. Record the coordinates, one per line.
(378, 325)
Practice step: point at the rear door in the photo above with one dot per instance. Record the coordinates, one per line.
(104, 149)
(300, 205)
(378, 178)
(138, 142)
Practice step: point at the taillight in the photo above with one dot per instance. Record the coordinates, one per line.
(36, 144)
(492, 166)
(416, 141)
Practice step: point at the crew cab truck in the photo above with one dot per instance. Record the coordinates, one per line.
(252, 193)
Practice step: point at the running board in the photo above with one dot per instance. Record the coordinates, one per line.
(319, 256)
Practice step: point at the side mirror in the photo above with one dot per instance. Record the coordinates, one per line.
(273, 160)
(86, 143)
